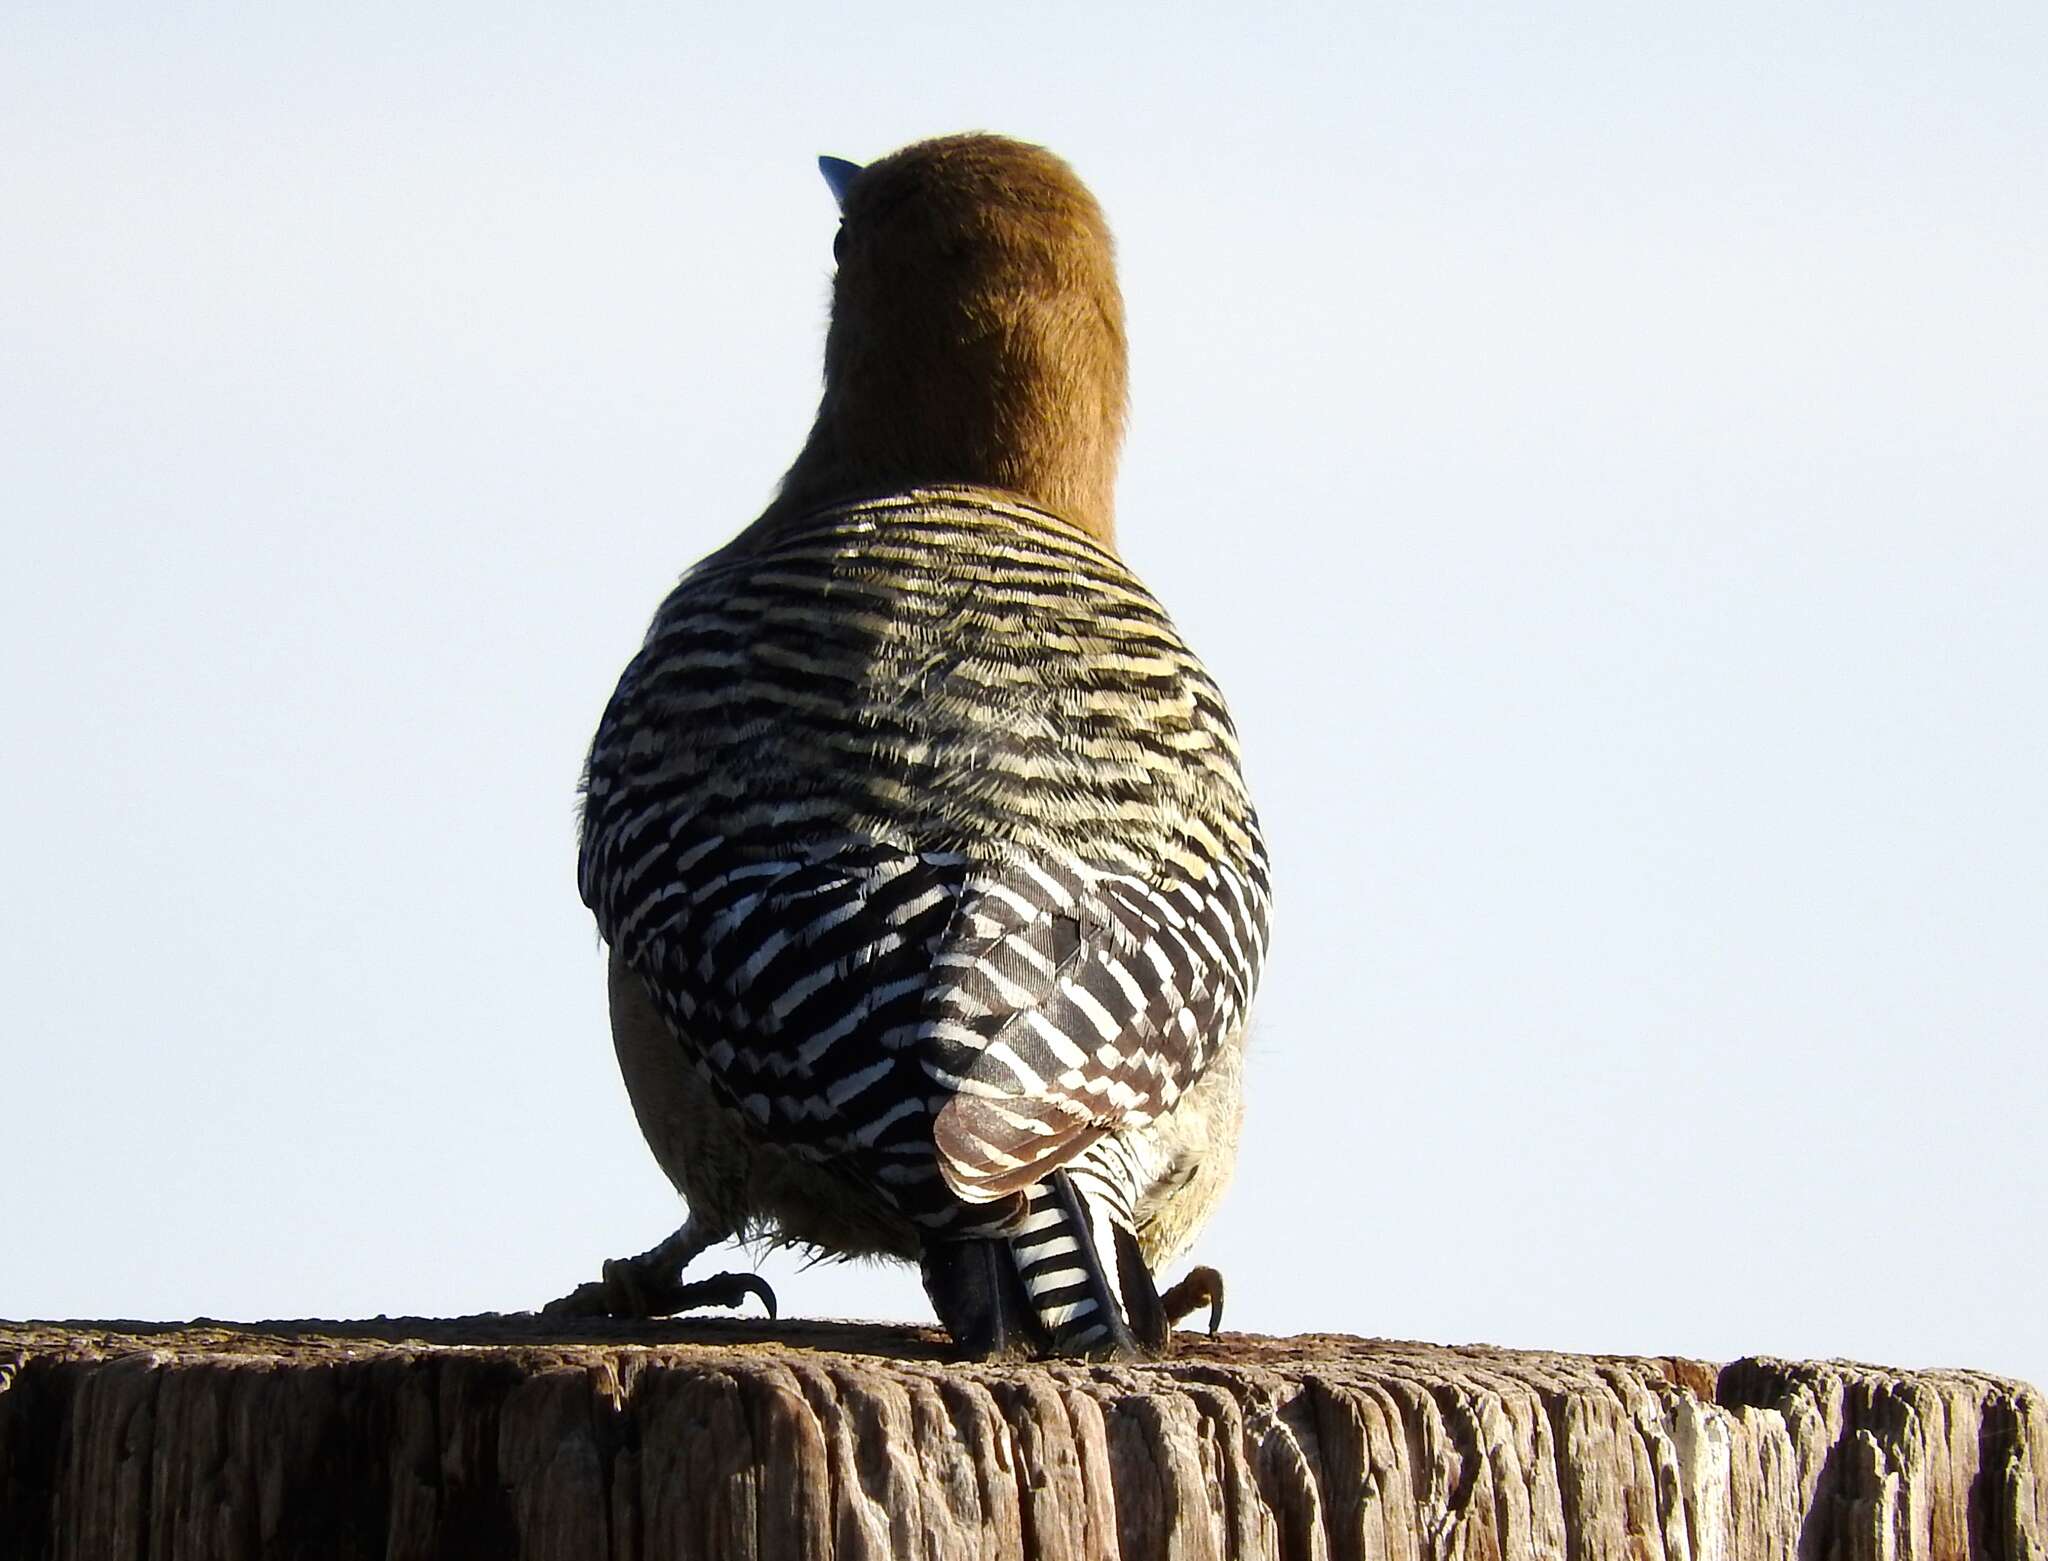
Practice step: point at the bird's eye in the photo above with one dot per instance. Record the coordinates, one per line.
(839, 242)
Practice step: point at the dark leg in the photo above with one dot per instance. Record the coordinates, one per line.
(651, 1285)
(980, 1300)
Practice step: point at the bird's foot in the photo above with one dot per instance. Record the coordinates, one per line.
(981, 1301)
(1202, 1287)
(632, 1287)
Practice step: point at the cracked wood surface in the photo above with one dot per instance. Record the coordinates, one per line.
(504, 1436)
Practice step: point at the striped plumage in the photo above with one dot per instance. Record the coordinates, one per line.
(924, 835)
(927, 833)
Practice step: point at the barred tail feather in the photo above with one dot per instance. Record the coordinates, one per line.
(1086, 1280)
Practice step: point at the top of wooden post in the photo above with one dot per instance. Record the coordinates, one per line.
(504, 1435)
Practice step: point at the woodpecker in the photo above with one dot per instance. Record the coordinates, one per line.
(934, 895)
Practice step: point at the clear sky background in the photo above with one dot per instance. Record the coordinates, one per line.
(1600, 452)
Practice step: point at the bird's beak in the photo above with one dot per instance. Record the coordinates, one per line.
(839, 174)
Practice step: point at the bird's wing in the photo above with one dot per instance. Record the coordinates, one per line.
(1080, 1002)
(799, 978)
(857, 997)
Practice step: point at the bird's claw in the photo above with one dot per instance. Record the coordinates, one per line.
(586, 1300)
(729, 1289)
(630, 1289)
(1202, 1286)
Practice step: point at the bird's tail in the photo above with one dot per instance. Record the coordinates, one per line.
(1087, 1282)
(1065, 1278)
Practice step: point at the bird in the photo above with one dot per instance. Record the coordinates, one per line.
(934, 895)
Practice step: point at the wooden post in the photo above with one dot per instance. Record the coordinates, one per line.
(501, 1436)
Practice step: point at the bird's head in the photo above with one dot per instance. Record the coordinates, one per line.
(977, 332)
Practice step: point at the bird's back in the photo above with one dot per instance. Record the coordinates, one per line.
(945, 670)
(921, 803)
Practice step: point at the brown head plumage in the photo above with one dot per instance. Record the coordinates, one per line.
(977, 335)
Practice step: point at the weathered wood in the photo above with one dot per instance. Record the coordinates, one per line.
(506, 1437)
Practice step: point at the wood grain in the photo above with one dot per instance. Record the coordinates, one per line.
(504, 1436)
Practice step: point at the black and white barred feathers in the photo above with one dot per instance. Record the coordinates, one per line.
(927, 834)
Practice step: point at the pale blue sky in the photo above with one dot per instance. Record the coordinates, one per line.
(1600, 453)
